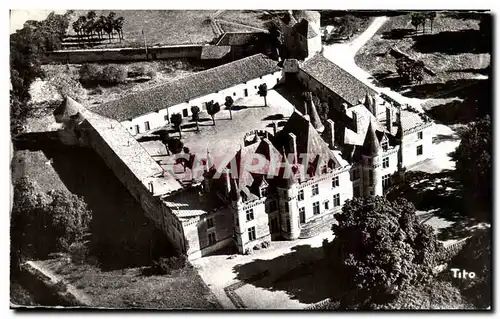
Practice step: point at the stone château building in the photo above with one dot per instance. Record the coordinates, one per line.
(309, 167)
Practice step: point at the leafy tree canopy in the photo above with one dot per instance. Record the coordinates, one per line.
(380, 248)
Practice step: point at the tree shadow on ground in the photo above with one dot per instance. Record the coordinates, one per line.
(121, 235)
(452, 42)
(473, 99)
(442, 195)
(303, 274)
(274, 117)
(389, 79)
(398, 33)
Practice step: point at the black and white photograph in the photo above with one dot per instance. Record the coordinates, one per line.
(286, 159)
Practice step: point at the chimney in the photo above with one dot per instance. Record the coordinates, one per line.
(275, 128)
(388, 118)
(292, 145)
(344, 108)
(330, 133)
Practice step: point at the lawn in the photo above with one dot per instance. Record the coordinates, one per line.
(130, 288)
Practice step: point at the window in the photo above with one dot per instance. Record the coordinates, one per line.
(137, 129)
(234, 93)
(286, 208)
(184, 112)
(146, 126)
(385, 162)
(315, 190)
(210, 222)
(327, 205)
(335, 181)
(211, 239)
(288, 225)
(355, 174)
(386, 181)
(251, 234)
(316, 208)
(420, 135)
(255, 86)
(249, 214)
(336, 200)
(420, 150)
(385, 145)
(273, 206)
(302, 215)
(301, 195)
(370, 177)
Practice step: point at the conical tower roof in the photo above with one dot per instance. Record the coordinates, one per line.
(314, 117)
(371, 145)
(369, 103)
(67, 109)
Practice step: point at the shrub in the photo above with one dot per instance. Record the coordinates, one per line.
(248, 251)
(142, 70)
(90, 74)
(78, 252)
(165, 265)
(114, 74)
(265, 244)
(256, 247)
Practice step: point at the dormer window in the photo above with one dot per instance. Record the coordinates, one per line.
(385, 145)
(263, 191)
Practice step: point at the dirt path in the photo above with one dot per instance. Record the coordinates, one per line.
(82, 298)
(343, 54)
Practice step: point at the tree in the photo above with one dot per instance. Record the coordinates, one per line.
(212, 109)
(176, 120)
(380, 248)
(43, 223)
(109, 25)
(195, 110)
(263, 92)
(118, 27)
(410, 70)
(475, 256)
(474, 167)
(417, 19)
(175, 145)
(431, 16)
(229, 105)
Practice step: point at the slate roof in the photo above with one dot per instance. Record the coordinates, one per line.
(67, 109)
(365, 117)
(187, 88)
(132, 154)
(411, 120)
(308, 140)
(336, 79)
(189, 203)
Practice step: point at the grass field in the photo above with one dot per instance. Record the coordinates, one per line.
(174, 27)
(130, 288)
(455, 50)
(451, 50)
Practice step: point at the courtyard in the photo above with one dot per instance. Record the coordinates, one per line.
(226, 137)
(272, 278)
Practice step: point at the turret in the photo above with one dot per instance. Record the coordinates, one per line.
(372, 169)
